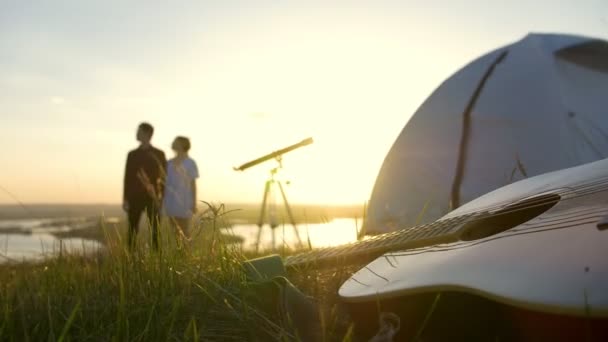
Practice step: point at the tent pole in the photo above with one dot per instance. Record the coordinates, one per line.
(466, 132)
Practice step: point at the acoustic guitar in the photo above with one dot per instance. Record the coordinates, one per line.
(526, 261)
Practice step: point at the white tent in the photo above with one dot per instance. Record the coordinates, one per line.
(538, 105)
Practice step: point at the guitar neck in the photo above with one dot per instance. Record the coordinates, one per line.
(442, 231)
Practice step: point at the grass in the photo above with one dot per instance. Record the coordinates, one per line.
(173, 295)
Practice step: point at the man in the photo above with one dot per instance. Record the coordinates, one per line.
(144, 184)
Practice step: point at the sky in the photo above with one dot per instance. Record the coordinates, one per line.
(241, 79)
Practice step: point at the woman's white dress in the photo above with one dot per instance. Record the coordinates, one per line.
(178, 198)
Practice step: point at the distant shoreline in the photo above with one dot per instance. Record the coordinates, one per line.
(243, 212)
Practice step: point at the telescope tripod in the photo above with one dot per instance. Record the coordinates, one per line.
(270, 207)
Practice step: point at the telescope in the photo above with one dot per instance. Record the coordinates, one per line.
(270, 206)
(274, 155)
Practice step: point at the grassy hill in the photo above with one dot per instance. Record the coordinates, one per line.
(198, 293)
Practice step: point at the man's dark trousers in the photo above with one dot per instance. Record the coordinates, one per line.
(136, 208)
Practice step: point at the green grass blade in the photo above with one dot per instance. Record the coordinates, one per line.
(68, 324)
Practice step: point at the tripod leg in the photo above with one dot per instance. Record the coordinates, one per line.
(274, 240)
(290, 214)
(262, 214)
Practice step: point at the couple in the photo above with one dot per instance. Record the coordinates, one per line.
(151, 184)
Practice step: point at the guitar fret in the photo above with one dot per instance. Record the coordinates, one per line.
(411, 237)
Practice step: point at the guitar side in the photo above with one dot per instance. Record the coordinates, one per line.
(555, 262)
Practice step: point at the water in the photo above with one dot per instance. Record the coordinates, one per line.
(334, 233)
(32, 239)
(21, 247)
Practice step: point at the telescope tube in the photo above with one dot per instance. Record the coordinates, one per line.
(274, 154)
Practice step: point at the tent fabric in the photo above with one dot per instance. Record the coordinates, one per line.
(543, 108)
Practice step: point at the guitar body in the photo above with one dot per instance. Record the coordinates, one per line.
(529, 262)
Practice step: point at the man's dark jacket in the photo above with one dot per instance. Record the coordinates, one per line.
(145, 175)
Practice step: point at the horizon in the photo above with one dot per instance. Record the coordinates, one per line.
(240, 80)
(306, 212)
(226, 204)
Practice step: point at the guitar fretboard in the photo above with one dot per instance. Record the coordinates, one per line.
(442, 231)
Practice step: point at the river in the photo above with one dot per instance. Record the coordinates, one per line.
(33, 239)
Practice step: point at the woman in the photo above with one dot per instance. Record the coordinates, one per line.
(179, 202)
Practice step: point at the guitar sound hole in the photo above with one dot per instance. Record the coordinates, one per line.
(508, 217)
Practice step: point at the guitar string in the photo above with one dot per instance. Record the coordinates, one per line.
(480, 217)
(534, 204)
(591, 188)
(529, 204)
(465, 244)
(335, 252)
(565, 191)
(456, 245)
(437, 249)
(557, 191)
(542, 200)
(597, 212)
